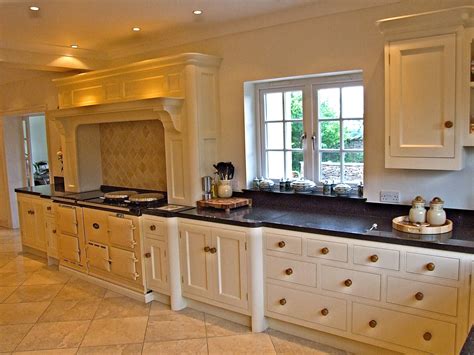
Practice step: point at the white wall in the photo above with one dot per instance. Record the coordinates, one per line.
(344, 41)
(39, 147)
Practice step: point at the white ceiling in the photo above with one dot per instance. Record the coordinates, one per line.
(102, 28)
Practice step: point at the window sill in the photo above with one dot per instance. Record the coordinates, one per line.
(351, 196)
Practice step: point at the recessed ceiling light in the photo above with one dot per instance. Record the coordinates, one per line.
(75, 46)
(197, 12)
(136, 29)
(34, 8)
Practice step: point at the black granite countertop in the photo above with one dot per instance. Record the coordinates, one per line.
(45, 191)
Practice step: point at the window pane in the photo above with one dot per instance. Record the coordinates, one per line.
(294, 105)
(274, 106)
(353, 102)
(329, 135)
(353, 134)
(294, 164)
(294, 131)
(274, 135)
(328, 103)
(275, 165)
(330, 167)
(353, 167)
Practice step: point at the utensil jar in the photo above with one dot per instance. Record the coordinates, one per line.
(224, 189)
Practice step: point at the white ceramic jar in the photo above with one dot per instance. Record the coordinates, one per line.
(436, 215)
(417, 210)
(224, 189)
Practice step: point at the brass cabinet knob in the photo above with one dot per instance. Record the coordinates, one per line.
(325, 312)
(48, 208)
(207, 249)
(96, 226)
(373, 323)
(289, 271)
(448, 124)
(374, 258)
(419, 296)
(283, 301)
(427, 336)
(325, 251)
(147, 255)
(430, 266)
(152, 227)
(54, 231)
(348, 283)
(281, 244)
(213, 250)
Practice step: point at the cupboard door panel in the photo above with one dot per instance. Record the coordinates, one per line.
(27, 222)
(422, 97)
(156, 264)
(39, 226)
(230, 267)
(52, 237)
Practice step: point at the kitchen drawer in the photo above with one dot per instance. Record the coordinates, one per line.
(49, 208)
(430, 265)
(328, 311)
(422, 295)
(355, 283)
(327, 250)
(376, 257)
(284, 243)
(153, 228)
(291, 271)
(407, 330)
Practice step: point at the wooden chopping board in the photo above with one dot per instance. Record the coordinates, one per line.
(225, 203)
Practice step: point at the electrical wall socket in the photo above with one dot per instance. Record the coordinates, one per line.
(390, 196)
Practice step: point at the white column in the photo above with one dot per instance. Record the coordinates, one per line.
(176, 298)
(257, 284)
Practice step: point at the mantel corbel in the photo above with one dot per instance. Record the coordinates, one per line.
(170, 114)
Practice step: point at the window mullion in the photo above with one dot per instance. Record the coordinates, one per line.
(341, 134)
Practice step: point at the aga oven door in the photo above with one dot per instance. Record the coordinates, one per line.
(123, 263)
(69, 248)
(98, 256)
(121, 232)
(67, 220)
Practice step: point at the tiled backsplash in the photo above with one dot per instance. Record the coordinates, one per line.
(133, 154)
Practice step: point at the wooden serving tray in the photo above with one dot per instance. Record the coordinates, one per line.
(225, 203)
(402, 224)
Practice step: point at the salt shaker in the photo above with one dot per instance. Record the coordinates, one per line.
(417, 210)
(436, 215)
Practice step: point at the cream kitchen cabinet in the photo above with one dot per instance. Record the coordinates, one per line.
(32, 221)
(51, 237)
(400, 298)
(155, 250)
(214, 262)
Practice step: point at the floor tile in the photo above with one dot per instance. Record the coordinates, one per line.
(55, 335)
(35, 293)
(256, 343)
(217, 327)
(116, 331)
(125, 349)
(158, 308)
(11, 335)
(13, 278)
(289, 344)
(68, 310)
(48, 352)
(23, 264)
(186, 324)
(47, 276)
(119, 307)
(111, 294)
(5, 292)
(77, 289)
(21, 313)
(190, 346)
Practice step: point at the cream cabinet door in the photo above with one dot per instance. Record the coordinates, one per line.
(39, 225)
(51, 237)
(229, 253)
(422, 78)
(156, 264)
(196, 260)
(27, 222)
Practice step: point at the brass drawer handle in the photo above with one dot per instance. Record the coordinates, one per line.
(373, 323)
(147, 255)
(96, 226)
(419, 296)
(325, 251)
(348, 283)
(374, 258)
(48, 208)
(427, 336)
(152, 227)
(325, 312)
(281, 244)
(207, 249)
(54, 231)
(448, 124)
(283, 301)
(213, 250)
(289, 271)
(430, 266)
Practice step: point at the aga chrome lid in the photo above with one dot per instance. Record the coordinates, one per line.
(147, 197)
(119, 195)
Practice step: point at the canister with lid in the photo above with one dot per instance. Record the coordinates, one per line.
(436, 215)
(417, 210)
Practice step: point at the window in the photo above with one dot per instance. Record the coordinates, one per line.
(313, 128)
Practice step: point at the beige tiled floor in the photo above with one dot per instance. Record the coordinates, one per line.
(43, 311)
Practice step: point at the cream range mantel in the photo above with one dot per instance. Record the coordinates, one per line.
(181, 91)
